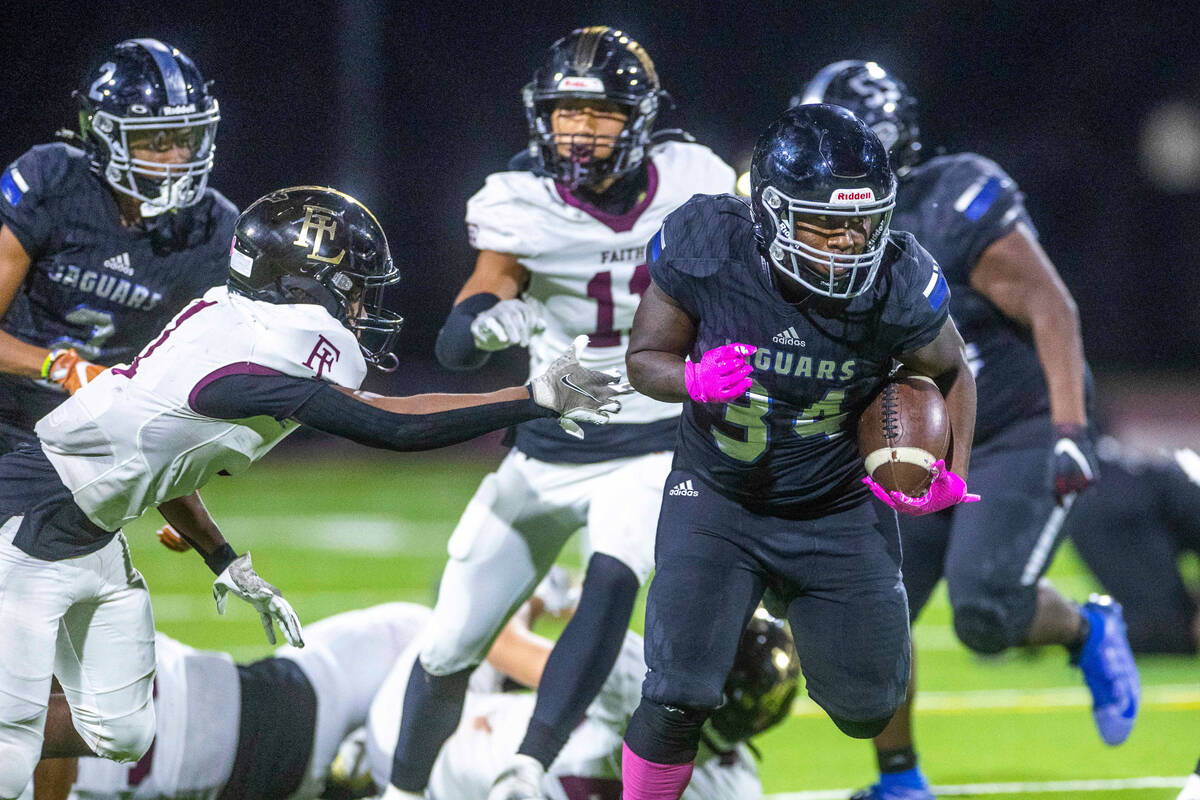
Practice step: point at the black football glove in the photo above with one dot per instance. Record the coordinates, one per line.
(1073, 465)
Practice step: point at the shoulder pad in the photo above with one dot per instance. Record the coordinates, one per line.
(700, 235)
(52, 169)
(913, 269)
(968, 182)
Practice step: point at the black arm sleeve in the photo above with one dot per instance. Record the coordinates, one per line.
(334, 412)
(455, 348)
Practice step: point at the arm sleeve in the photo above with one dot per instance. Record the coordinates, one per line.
(333, 412)
(455, 347)
(319, 405)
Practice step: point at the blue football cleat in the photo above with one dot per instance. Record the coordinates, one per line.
(1109, 670)
(908, 785)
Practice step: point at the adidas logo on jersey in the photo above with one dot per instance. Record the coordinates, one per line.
(790, 336)
(684, 490)
(119, 264)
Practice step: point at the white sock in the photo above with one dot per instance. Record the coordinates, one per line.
(392, 793)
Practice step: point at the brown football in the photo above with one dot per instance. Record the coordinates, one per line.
(902, 432)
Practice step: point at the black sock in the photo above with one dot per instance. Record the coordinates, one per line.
(432, 708)
(582, 657)
(900, 760)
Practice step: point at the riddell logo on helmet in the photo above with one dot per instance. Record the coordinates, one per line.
(581, 83)
(168, 111)
(851, 195)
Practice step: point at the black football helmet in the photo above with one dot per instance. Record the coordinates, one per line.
(875, 97)
(821, 160)
(149, 91)
(764, 681)
(589, 64)
(312, 244)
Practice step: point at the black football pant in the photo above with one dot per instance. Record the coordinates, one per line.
(838, 576)
(1130, 529)
(991, 552)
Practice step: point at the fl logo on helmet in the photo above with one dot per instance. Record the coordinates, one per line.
(319, 222)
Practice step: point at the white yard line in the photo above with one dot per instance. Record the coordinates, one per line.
(1043, 787)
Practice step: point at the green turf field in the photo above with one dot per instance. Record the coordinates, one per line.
(341, 534)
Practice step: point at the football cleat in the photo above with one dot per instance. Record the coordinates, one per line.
(1109, 670)
(520, 780)
(880, 792)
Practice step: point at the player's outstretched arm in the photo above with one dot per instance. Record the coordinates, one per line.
(487, 314)
(428, 421)
(235, 574)
(944, 360)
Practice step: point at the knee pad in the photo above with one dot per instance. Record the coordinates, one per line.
(123, 740)
(857, 729)
(665, 734)
(981, 627)
(16, 770)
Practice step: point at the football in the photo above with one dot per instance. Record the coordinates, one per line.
(902, 432)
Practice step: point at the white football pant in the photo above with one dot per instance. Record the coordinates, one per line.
(512, 531)
(86, 620)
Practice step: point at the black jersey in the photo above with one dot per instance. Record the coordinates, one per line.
(956, 206)
(788, 447)
(95, 284)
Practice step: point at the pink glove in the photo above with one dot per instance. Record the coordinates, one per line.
(946, 490)
(722, 374)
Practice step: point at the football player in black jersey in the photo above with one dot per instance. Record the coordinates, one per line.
(103, 243)
(1032, 450)
(1150, 504)
(792, 310)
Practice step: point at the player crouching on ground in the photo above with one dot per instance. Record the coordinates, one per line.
(773, 495)
(286, 343)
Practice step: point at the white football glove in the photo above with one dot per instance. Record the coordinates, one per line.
(508, 323)
(577, 393)
(241, 579)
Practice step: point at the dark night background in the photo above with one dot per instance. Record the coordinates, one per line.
(409, 106)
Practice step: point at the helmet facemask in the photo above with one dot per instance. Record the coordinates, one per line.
(837, 275)
(159, 186)
(579, 167)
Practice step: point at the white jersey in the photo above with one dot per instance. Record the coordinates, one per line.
(197, 702)
(130, 440)
(589, 766)
(588, 270)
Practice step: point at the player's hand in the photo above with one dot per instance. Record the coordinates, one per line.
(241, 579)
(722, 374)
(946, 490)
(508, 323)
(170, 539)
(577, 393)
(70, 370)
(1073, 464)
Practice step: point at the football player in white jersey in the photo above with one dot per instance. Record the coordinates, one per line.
(761, 688)
(561, 237)
(286, 343)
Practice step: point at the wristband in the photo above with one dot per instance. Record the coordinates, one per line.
(220, 558)
(49, 362)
